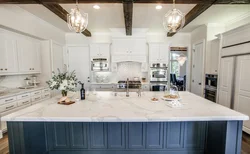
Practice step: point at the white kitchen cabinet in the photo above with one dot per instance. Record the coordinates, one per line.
(8, 52)
(28, 55)
(212, 56)
(242, 88)
(100, 50)
(102, 87)
(57, 57)
(129, 47)
(158, 53)
(226, 81)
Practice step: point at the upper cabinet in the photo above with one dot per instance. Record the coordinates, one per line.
(129, 47)
(28, 56)
(158, 53)
(100, 50)
(19, 55)
(8, 52)
(213, 57)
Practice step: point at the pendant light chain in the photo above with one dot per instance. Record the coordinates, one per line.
(174, 4)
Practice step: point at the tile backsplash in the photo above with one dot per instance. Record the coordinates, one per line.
(128, 70)
(13, 81)
(124, 70)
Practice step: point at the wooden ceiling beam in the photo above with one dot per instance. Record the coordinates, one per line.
(195, 12)
(62, 13)
(121, 1)
(128, 15)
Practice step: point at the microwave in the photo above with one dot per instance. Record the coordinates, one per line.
(99, 64)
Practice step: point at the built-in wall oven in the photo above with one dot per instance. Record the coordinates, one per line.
(211, 87)
(158, 87)
(158, 72)
(100, 64)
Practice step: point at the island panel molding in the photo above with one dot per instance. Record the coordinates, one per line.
(120, 138)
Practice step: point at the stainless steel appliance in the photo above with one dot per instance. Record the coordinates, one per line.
(129, 84)
(100, 64)
(158, 72)
(211, 87)
(158, 87)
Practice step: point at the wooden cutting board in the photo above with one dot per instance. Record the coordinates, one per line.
(66, 103)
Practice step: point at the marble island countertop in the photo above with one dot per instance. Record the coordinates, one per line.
(105, 107)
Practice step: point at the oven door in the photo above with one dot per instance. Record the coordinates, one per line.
(158, 75)
(210, 95)
(158, 88)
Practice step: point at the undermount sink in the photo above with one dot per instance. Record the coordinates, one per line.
(28, 87)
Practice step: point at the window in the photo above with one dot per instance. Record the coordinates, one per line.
(175, 66)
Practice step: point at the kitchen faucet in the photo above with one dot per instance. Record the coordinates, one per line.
(127, 92)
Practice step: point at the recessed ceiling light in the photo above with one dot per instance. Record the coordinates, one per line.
(158, 7)
(96, 7)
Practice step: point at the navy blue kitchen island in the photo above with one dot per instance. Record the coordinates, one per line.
(120, 125)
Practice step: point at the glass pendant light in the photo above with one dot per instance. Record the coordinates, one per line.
(181, 59)
(173, 20)
(76, 20)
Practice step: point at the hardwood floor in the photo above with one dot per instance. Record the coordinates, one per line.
(245, 148)
(4, 148)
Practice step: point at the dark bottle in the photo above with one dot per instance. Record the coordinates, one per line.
(82, 91)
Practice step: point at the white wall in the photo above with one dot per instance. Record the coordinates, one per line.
(17, 19)
(238, 23)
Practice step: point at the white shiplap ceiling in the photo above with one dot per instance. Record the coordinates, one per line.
(144, 15)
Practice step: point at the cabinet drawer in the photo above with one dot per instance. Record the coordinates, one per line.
(22, 96)
(36, 93)
(24, 102)
(46, 95)
(7, 100)
(7, 107)
(45, 90)
(36, 98)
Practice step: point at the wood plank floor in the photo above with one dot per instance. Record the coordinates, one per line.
(245, 149)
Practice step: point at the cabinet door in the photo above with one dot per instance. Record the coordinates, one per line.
(36, 65)
(154, 50)
(104, 50)
(57, 57)
(80, 63)
(121, 46)
(94, 50)
(214, 58)
(28, 55)
(226, 81)
(8, 52)
(164, 53)
(242, 87)
(138, 46)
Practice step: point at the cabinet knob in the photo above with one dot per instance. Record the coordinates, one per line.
(6, 69)
(1, 69)
(30, 68)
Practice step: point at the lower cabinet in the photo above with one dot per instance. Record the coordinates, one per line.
(169, 136)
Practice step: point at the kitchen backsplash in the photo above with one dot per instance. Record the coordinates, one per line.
(13, 81)
(128, 70)
(124, 70)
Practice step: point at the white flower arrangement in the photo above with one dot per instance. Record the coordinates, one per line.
(63, 81)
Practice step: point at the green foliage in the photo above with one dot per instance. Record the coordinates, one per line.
(63, 81)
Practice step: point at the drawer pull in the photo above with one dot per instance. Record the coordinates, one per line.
(37, 93)
(26, 102)
(46, 95)
(37, 98)
(9, 107)
(7, 100)
(25, 96)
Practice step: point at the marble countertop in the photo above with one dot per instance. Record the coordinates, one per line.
(105, 107)
(14, 92)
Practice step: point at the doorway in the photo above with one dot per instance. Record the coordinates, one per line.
(178, 70)
(197, 70)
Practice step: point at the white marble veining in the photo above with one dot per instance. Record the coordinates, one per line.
(105, 107)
